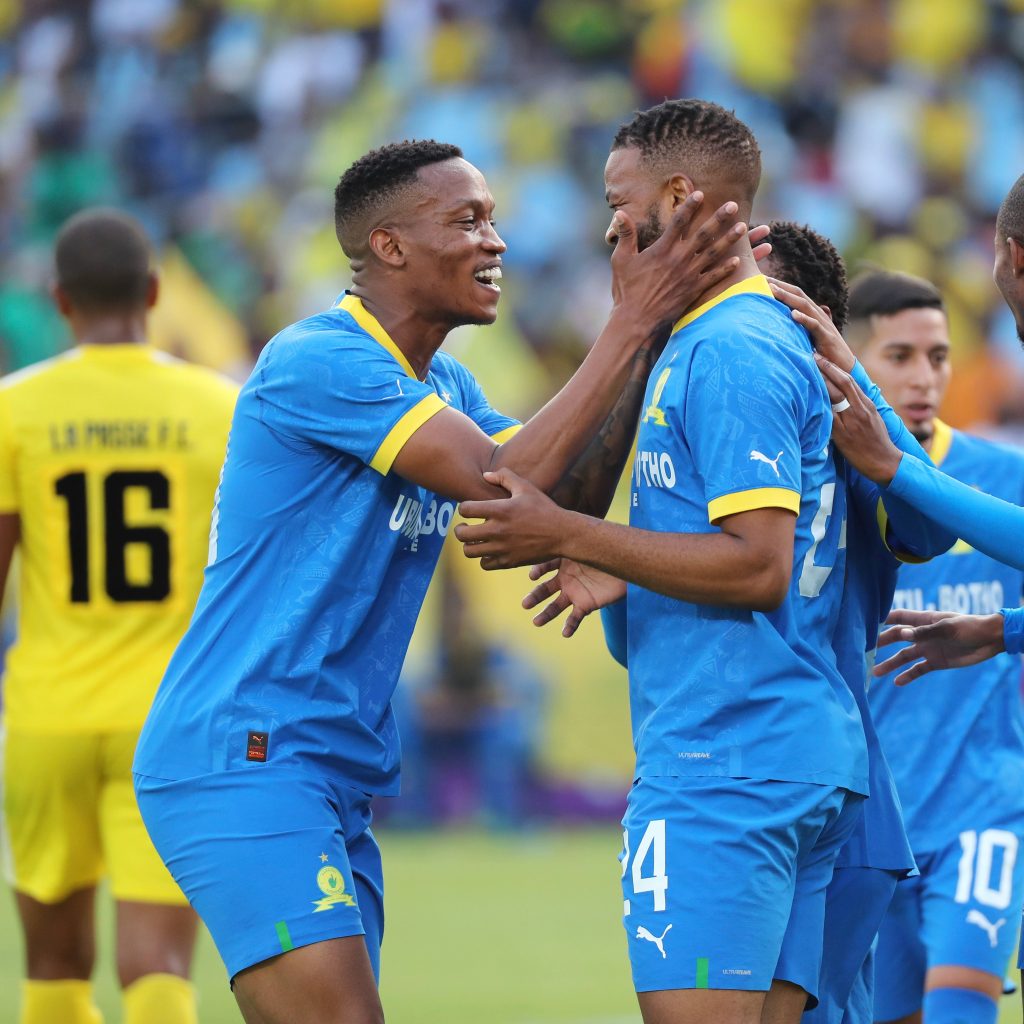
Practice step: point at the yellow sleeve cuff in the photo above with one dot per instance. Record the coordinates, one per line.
(503, 435)
(883, 526)
(400, 433)
(756, 497)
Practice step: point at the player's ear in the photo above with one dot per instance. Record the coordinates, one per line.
(152, 289)
(679, 187)
(60, 299)
(828, 311)
(386, 245)
(1016, 256)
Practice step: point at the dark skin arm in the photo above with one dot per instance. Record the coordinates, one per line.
(10, 534)
(449, 453)
(747, 564)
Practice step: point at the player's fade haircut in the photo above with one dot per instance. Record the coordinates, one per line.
(887, 292)
(1010, 219)
(103, 261)
(699, 138)
(810, 261)
(376, 179)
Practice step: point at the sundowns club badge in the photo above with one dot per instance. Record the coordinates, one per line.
(331, 882)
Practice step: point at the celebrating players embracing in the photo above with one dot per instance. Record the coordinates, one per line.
(350, 443)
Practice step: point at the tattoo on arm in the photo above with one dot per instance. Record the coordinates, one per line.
(589, 485)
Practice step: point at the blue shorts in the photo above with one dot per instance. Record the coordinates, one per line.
(963, 910)
(713, 869)
(855, 904)
(271, 858)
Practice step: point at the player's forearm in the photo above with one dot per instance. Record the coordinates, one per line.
(552, 440)
(703, 568)
(987, 523)
(589, 485)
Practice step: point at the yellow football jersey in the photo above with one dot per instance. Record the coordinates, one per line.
(110, 455)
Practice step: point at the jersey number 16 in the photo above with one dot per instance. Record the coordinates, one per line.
(117, 535)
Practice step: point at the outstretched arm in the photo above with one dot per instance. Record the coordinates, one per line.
(746, 564)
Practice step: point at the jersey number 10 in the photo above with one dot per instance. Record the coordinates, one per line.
(117, 535)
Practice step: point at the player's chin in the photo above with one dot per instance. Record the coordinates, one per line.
(479, 315)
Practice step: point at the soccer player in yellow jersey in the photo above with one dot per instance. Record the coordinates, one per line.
(109, 460)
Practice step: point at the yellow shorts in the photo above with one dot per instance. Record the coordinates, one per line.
(70, 818)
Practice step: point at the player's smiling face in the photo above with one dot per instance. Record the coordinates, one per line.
(454, 252)
(637, 192)
(907, 356)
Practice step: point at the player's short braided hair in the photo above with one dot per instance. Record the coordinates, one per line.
(1010, 219)
(103, 261)
(810, 261)
(888, 292)
(695, 136)
(377, 178)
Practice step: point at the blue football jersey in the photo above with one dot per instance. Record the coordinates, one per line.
(320, 557)
(736, 417)
(955, 739)
(880, 839)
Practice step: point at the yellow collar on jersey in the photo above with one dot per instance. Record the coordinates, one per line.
(115, 349)
(942, 438)
(353, 305)
(756, 285)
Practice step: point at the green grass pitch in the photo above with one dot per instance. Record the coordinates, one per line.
(508, 929)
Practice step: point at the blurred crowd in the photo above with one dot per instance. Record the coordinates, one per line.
(893, 126)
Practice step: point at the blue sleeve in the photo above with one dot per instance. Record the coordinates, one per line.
(476, 406)
(744, 407)
(344, 391)
(613, 621)
(905, 531)
(1013, 630)
(989, 524)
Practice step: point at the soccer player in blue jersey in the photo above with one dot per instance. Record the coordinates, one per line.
(877, 854)
(350, 444)
(956, 745)
(750, 751)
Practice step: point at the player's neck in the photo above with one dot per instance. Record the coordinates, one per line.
(114, 329)
(746, 269)
(417, 336)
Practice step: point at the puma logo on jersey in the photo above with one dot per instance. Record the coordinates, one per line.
(643, 933)
(756, 456)
(990, 929)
